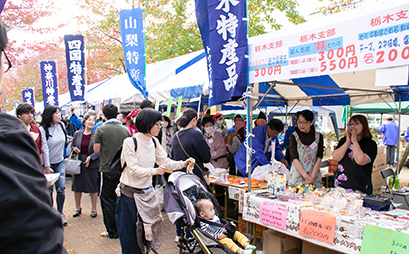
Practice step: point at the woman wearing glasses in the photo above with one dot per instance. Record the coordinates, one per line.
(306, 150)
(355, 154)
(137, 197)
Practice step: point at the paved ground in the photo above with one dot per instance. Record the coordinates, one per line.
(82, 235)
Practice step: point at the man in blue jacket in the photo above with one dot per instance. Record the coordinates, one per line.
(391, 133)
(264, 136)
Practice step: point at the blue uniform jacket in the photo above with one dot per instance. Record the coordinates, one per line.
(257, 158)
(77, 122)
(391, 133)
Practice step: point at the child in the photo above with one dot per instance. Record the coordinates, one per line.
(206, 211)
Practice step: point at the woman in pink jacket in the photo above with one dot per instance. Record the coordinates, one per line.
(216, 143)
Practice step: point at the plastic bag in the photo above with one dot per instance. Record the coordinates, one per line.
(260, 173)
(209, 165)
(159, 195)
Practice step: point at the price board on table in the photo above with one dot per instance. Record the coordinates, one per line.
(317, 225)
(386, 241)
(274, 213)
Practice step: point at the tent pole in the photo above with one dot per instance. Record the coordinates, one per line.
(399, 123)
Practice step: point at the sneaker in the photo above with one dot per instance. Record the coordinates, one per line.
(177, 239)
(64, 220)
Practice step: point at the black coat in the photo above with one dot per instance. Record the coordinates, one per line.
(28, 223)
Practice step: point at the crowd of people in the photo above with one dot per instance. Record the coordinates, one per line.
(153, 143)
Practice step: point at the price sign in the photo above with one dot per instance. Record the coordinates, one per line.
(317, 225)
(274, 213)
(381, 240)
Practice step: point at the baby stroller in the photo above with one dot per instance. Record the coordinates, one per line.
(180, 195)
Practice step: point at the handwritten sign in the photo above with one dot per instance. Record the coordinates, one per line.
(317, 225)
(274, 213)
(381, 240)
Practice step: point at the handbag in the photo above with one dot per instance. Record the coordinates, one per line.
(72, 164)
(205, 171)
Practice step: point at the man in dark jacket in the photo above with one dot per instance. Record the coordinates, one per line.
(28, 223)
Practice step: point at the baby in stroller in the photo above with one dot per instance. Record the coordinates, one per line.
(211, 224)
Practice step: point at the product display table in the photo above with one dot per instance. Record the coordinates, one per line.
(348, 230)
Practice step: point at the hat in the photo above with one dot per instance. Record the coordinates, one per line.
(133, 113)
(260, 122)
(216, 115)
(239, 125)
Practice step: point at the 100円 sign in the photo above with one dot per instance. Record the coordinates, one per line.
(317, 225)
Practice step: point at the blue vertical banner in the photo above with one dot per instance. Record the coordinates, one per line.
(49, 82)
(133, 43)
(222, 24)
(74, 52)
(28, 96)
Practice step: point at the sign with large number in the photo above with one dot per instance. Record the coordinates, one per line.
(49, 83)
(373, 41)
(74, 50)
(381, 240)
(317, 225)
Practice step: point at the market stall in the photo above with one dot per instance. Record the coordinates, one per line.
(335, 220)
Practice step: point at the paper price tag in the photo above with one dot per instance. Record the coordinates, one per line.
(381, 240)
(317, 225)
(274, 213)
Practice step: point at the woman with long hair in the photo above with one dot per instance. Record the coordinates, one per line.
(87, 180)
(306, 152)
(54, 139)
(189, 142)
(355, 154)
(137, 196)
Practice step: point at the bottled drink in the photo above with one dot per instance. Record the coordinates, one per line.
(391, 183)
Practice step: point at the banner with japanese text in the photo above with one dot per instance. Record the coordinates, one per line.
(133, 43)
(371, 41)
(49, 82)
(28, 96)
(74, 51)
(224, 36)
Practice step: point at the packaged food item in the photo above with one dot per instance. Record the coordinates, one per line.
(276, 181)
(190, 167)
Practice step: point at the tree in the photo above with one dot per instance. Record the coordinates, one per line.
(24, 15)
(340, 5)
(171, 30)
(27, 74)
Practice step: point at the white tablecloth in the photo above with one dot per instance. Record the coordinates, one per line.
(349, 229)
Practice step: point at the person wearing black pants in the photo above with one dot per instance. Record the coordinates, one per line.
(107, 140)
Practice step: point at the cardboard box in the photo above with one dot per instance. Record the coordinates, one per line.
(310, 248)
(379, 164)
(277, 243)
(377, 182)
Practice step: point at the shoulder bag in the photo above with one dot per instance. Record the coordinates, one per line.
(72, 164)
(205, 171)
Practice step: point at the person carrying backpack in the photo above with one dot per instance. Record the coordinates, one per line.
(137, 203)
(107, 140)
(54, 139)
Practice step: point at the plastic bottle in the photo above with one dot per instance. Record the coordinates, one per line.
(391, 183)
(397, 182)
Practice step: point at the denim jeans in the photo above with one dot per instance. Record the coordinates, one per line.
(125, 216)
(59, 186)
